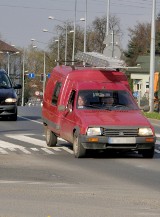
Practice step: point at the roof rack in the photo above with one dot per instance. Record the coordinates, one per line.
(99, 60)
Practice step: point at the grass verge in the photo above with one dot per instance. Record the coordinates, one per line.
(153, 115)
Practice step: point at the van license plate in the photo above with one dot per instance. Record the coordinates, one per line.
(121, 140)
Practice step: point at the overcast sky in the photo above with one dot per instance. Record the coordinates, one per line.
(21, 20)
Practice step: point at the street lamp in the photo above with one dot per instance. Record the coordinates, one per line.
(57, 40)
(44, 65)
(66, 26)
(9, 55)
(23, 79)
(108, 13)
(152, 58)
(85, 27)
(74, 33)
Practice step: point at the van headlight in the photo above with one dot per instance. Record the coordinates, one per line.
(145, 132)
(11, 100)
(93, 131)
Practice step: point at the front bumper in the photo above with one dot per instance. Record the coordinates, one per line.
(8, 110)
(128, 143)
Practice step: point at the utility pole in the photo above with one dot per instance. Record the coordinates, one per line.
(44, 73)
(74, 33)
(108, 13)
(23, 78)
(152, 58)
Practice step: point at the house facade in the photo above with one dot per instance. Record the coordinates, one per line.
(141, 75)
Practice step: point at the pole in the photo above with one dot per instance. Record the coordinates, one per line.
(152, 58)
(85, 29)
(8, 63)
(66, 44)
(58, 50)
(23, 80)
(44, 73)
(74, 34)
(112, 43)
(108, 12)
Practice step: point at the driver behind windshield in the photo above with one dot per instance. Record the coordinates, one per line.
(107, 101)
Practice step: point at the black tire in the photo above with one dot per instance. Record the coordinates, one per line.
(148, 153)
(13, 117)
(51, 138)
(78, 149)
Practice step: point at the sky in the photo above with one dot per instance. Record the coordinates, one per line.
(22, 20)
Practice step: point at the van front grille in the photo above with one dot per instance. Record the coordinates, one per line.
(120, 132)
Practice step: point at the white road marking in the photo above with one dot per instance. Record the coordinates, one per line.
(34, 149)
(24, 150)
(67, 149)
(38, 122)
(2, 151)
(12, 149)
(4, 145)
(27, 139)
(47, 151)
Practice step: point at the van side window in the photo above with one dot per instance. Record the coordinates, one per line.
(56, 93)
(71, 99)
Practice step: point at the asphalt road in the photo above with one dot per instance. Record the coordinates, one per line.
(36, 181)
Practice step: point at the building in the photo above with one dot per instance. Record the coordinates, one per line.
(9, 59)
(140, 76)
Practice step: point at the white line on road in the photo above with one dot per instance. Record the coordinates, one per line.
(47, 151)
(2, 151)
(27, 139)
(28, 119)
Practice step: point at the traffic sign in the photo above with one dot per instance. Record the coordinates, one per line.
(49, 75)
(37, 93)
(31, 75)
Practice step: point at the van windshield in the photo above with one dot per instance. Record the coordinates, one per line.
(106, 99)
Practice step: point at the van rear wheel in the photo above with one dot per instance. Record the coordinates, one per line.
(78, 149)
(51, 138)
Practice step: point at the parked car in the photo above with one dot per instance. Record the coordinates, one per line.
(8, 97)
(94, 124)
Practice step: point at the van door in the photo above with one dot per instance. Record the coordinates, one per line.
(68, 119)
(54, 113)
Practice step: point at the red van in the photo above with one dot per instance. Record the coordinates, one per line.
(108, 117)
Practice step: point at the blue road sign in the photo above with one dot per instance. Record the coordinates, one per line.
(48, 75)
(31, 75)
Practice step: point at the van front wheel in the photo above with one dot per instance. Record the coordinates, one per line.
(51, 138)
(79, 150)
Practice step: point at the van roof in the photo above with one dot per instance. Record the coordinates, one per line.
(89, 74)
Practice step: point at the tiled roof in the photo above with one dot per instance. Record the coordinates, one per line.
(4, 47)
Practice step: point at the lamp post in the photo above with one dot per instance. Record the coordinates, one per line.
(152, 58)
(108, 13)
(23, 79)
(8, 59)
(74, 33)
(85, 27)
(57, 40)
(66, 36)
(44, 66)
